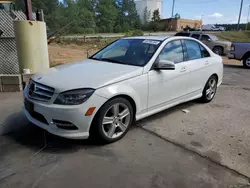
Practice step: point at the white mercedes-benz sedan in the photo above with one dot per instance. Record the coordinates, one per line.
(128, 80)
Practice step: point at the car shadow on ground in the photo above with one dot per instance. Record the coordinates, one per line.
(32, 137)
(234, 66)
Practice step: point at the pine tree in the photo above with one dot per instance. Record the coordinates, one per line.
(156, 16)
(146, 15)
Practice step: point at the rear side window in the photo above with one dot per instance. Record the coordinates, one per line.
(205, 37)
(204, 52)
(196, 36)
(193, 49)
(173, 51)
(182, 34)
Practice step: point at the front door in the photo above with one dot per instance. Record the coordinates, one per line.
(168, 86)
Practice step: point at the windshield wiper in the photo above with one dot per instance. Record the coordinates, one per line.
(94, 58)
(111, 60)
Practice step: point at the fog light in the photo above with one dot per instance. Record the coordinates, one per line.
(64, 125)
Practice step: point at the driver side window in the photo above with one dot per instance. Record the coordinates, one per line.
(173, 51)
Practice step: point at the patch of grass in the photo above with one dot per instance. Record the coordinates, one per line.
(96, 42)
(134, 33)
(234, 36)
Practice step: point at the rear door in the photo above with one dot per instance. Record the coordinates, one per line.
(198, 64)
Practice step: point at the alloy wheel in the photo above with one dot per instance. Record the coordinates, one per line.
(248, 62)
(218, 50)
(211, 90)
(116, 120)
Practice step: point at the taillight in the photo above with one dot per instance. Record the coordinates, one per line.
(232, 47)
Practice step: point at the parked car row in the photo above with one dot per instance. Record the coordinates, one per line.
(217, 46)
(211, 27)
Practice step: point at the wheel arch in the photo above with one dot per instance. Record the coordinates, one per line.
(245, 55)
(127, 97)
(216, 75)
(92, 128)
(219, 47)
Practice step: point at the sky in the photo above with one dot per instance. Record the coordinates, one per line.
(210, 11)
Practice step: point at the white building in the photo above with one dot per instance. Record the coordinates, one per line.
(151, 6)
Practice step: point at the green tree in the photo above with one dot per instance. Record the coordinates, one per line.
(106, 14)
(128, 16)
(178, 16)
(146, 15)
(156, 16)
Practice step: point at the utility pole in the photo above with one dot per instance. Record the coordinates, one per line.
(238, 27)
(247, 17)
(28, 8)
(173, 8)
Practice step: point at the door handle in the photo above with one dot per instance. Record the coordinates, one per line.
(183, 69)
(206, 62)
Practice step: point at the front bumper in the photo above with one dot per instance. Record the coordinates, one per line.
(74, 114)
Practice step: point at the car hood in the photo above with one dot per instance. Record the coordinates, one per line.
(86, 74)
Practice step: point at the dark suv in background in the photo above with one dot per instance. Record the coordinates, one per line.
(219, 47)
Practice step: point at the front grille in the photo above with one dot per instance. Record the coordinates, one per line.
(40, 92)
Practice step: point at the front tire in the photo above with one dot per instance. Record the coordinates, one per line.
(209, 89)
(113, 120)
(246, 61)
(218, 50)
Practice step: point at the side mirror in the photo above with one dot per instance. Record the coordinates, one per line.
(209, 40)
(164, 65)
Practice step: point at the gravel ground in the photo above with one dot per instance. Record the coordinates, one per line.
(219, 130)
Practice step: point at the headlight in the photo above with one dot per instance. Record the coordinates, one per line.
(74, 97)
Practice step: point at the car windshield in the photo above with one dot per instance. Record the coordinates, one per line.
(213, 37)
(136, 52)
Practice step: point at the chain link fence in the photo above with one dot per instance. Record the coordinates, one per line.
(8, 50)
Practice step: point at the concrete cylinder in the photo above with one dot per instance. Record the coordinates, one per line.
(32, 47)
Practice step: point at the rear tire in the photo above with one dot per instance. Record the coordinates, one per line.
(112, 121)
(218, 50)
(246, 61)
(210, 89)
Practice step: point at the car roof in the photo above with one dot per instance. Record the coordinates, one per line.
(161, 38)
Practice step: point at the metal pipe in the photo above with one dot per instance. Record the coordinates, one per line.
(28, 8)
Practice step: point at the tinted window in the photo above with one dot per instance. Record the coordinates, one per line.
(172, 52)
(196, 36)
(205, 37)
(128, 51)
(193, 49)
(204, 52)
(213, 37)
(182, 34)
